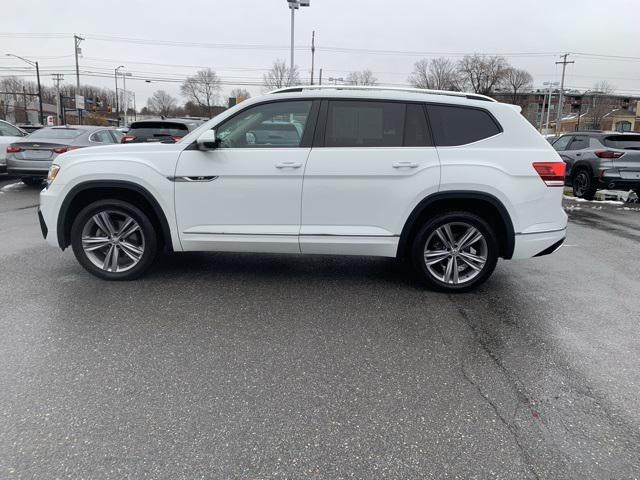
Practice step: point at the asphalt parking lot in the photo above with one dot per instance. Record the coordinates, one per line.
(269, 366)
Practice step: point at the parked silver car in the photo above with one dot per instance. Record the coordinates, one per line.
(30, 158)
(8, 134)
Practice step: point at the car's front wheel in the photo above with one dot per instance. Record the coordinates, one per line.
(114, 240)
(455, 252)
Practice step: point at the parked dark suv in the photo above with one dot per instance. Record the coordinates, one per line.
(166, 130)
(598, 160)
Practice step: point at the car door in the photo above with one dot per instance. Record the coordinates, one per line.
(577, 152)
(369, 163)
(245, 194)
(560, 145)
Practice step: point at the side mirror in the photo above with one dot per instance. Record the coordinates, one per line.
(207, 140)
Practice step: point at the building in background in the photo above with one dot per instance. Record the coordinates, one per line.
(582, 110)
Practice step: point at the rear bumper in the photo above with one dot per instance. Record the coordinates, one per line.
(28, 168)
(529, 245)
(619, 183)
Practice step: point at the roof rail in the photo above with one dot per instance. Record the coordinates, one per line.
(300, 88)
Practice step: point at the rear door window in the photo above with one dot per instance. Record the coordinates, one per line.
(102, 136)
(352, 123)
(562, 143)
(416, 131)
(579, 143)
(454, 125)
(623, 142)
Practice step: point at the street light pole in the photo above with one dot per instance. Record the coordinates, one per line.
(293, 6)
(34, 64)
(76, 43)
(293, 22)
(125, 97)
(115, 75)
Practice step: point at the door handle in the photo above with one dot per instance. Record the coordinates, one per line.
(578, 154)
(405, 165)
(288, 165)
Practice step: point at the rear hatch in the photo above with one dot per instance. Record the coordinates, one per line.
(155, 131)
(626, 156)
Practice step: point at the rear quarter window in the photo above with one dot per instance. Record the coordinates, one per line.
(454, 125)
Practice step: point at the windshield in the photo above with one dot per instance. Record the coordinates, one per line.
(60, 133)
(623, 142)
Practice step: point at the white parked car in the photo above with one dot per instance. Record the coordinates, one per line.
(452, 181)
(8, 134)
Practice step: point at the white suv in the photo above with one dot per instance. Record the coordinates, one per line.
(450, 181)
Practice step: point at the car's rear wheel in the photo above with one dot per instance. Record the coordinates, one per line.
(584, 185)
(455, 252)
(114, 240)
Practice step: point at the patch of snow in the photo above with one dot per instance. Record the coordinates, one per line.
(13, 186)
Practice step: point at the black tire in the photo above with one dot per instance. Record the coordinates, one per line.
(455, 220)
(32, 181)
(118, 208)
(584, 185)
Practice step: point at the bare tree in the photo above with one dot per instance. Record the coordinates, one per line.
(364, 77)
(516, 81)
(162, 103)
(482, 73)
(280, 76)
(599, 103)
(239, 92)
(202, 89)
(438, 74)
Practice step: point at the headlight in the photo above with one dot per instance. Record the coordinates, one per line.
(53, 173)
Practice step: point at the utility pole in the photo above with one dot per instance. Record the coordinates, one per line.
(313, 52)
(76, 43)
(564, 64)
(320, 78)
(58, 77)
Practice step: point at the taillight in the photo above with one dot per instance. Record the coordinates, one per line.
(551, 173)
(608, 154)
(12, 149)
(175, 137)
(127, 139)
(64, 149)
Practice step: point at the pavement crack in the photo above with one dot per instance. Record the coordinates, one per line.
(514, 383)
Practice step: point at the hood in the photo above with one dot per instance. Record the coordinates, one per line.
(120, 150)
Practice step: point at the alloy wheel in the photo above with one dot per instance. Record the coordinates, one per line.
(113, 241)
(455, 253)
(581, 183)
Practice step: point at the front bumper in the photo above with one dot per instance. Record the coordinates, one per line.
(43, 225)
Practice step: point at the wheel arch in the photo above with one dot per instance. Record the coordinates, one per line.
(87, 192)
(582, 165)
(484, 204)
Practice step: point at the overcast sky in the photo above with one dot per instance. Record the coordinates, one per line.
(388, 37)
